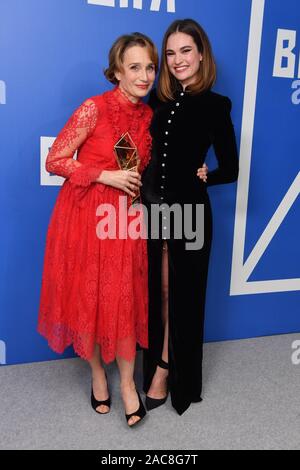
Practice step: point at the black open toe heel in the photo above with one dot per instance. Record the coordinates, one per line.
(95, 403)
(140, 413)
(152, 403)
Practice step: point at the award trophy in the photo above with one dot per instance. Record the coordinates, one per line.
(127, 157)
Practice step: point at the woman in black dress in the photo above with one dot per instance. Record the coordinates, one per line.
(188, 119)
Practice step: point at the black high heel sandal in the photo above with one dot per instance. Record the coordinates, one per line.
(140, 413)
(95, 403)
(152, 403)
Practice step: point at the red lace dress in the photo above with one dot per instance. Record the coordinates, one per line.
(94, 291)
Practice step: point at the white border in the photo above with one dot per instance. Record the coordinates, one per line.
(240, 285)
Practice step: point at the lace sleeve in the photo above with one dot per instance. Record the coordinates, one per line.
(60, 158)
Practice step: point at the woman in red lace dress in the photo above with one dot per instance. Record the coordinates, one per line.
(94, 291)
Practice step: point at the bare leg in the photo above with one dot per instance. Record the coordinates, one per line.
(128, 390)
(165, 301)
(158, 387)
(99, 380)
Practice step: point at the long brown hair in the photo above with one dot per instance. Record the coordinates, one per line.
(120, 46)
(167, 83)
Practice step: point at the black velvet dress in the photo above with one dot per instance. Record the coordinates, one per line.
(183, 130)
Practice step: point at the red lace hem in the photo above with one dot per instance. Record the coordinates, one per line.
(60, 337)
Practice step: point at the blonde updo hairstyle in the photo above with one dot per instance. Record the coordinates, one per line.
(120, 46)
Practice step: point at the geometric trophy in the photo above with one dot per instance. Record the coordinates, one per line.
(127, 157)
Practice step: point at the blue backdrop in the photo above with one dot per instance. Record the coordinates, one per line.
(52, 53)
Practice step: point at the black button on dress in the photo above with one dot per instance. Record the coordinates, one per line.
(183, 130)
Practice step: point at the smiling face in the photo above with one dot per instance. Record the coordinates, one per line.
(183, 58)
(138, 73)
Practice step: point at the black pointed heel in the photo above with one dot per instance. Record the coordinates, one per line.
(140, 413)
(152, 403)
(95, 403)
